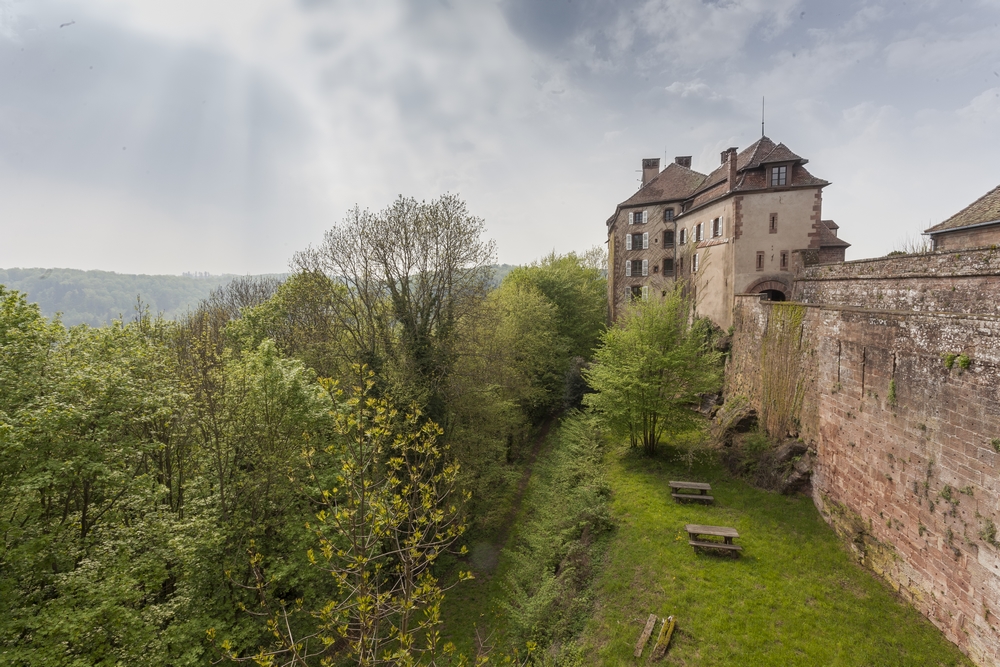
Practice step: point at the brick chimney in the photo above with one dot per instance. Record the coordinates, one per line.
(650, 168)
(683, 160)
(729, 155)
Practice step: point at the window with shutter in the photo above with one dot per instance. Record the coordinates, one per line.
(628, 241)
(645, 293)
(644, 217)
(628, 268)
(645, 267)
(683, 237)
(645, 240)
(694, 263)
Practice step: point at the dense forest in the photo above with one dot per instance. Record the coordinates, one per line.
(98, 298)
(290, 473)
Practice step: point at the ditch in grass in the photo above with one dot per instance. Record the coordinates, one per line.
(793, 597)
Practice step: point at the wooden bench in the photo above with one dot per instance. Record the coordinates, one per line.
(700, 487)
(695, 531)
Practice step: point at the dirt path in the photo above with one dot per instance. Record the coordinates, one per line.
(522, 485)
(485, 555)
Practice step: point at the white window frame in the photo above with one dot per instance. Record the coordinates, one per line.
(645, 240)
(717, 227)
(683, 237)
(694, 263)
(645, 267)
(645, 293)
(699, 232)
(628, 241)
(628, 268)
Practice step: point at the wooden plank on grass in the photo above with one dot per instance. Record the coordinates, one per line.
(644, 637)
(663, 641)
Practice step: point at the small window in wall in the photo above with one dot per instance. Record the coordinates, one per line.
(635, 292)
(760, 260)
(637, 267)
(668, 238)
(694, 263)
(668, 214)
(779, 175)
(699, 232)
(683, 237)
(784, 260)
(772, 225)
(656, 268)
(716, 227)
(668, 266)
(680, 265)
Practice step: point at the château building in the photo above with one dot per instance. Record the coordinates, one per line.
(728, 232)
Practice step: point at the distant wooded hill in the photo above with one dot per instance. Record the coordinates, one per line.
(98, 297)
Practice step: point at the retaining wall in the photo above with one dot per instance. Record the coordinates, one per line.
(907, 448)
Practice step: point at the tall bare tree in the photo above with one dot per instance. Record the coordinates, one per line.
(411, 271)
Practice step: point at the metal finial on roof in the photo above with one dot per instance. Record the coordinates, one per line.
(762, 115)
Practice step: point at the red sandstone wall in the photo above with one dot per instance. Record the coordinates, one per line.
(910, 479)
(962, 282)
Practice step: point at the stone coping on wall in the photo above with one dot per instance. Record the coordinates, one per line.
(880, 311)
(968, 262)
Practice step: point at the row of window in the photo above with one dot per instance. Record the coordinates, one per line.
(641, 217)
(783, 260)
(640, 267)
(717, 227)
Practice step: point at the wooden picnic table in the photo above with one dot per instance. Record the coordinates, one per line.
(727, 534)
(701, 487)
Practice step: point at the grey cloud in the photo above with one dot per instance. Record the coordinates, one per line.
(179, 125)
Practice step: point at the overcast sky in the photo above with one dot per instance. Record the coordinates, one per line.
(150, 136)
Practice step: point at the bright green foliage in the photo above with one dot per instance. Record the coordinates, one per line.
(650, 370)
(552, 560)
(389, 512)
(88, 568)
(795, 596)
(299, 319)
(579, 293)
(128, 487)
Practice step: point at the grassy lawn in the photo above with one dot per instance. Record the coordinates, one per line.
(794, 596)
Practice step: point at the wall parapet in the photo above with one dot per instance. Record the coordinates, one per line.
(903, 408)
(940, 282)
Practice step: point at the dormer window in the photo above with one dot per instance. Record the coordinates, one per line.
(779, 175)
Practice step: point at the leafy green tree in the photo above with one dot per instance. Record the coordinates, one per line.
(578, 290)
(392, 509)
(411, 271)
(508, 373)
(650, 370)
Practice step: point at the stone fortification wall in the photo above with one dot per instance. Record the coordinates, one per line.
(953, 282)
(903, 409)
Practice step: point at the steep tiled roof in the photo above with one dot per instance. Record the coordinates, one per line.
(827, 239)
(673, 183)
(983, 210)
(750, 175)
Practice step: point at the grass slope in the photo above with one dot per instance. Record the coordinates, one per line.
(794, 597)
